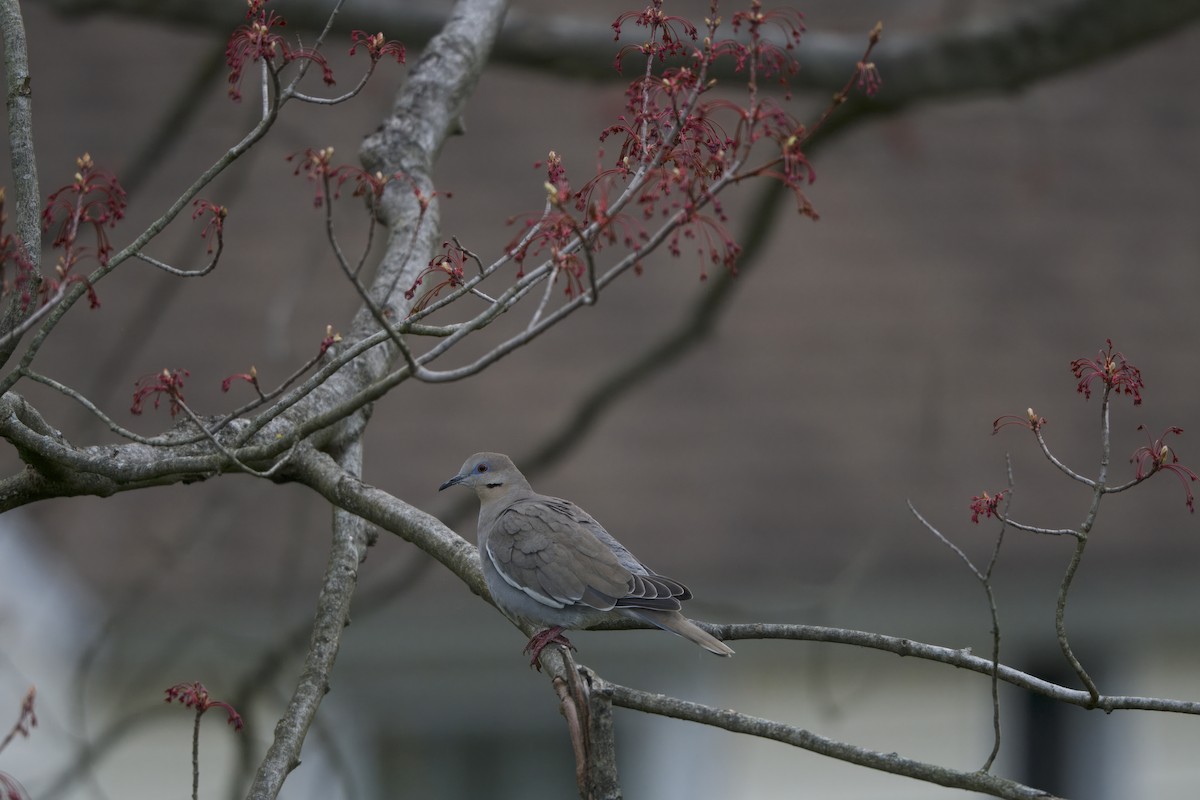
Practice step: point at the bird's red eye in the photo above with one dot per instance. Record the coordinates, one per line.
(481, 468)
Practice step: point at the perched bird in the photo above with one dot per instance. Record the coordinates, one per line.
(547, 562)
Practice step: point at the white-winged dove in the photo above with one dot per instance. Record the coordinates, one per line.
(546, 561)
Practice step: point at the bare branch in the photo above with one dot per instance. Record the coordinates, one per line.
(91, 407)
(663, 705)
(26, 719)
(1003, 54)
(1070, 473)
(985, 580)
(322, 474)
(962, 659)
(1021, 526)
(348, 550)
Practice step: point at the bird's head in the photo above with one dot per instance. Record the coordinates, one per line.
(488, 473)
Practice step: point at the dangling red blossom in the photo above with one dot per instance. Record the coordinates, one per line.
(868, 81)
(250, 377)
(1157, 455)
(216, 221)
(168, 383)
(195, 695)
(451, 263)
(1030, 421)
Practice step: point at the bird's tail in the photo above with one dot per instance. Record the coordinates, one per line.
(677, 623)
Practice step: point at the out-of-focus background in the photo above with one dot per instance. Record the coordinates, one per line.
(968, 250)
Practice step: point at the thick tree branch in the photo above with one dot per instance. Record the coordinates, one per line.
(333, 615)
(1001, 54)
(18, 101)
(321, 473)
(427, 110)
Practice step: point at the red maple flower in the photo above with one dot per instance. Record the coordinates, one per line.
(195, 695)
(1157, 455)
(168, 383)
(986, 505)
(376, 46)
(258, 40)
(1113, 370)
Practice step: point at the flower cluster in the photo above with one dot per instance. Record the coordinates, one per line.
(667, 33)
(258, 40)
(1157, 455)
(1114, 372)
(986, 505)
(677, 146)
(764, 56)
(1111, 369)
(195, 695)
(377, 46)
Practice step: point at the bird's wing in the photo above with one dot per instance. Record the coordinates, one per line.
(551, 550)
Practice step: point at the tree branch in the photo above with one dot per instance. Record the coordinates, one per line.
(663, 705)
(320, 473)
(348, 550)
(1002, 54)
(18, 100)
(963, 659)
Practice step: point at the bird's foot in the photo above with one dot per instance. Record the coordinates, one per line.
(540, 640)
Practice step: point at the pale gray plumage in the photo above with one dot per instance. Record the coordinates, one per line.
(546, 561)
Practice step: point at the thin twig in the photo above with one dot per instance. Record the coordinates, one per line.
(985, 580)
(196, 753)
(92, 408)
(1035, 529)
(333, 101)
(1037, 431)
(1080, 543)
(960, 658)
(183, 273)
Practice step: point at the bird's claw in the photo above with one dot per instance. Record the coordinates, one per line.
(541, 640)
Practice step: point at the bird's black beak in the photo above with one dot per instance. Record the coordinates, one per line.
(456, 479)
